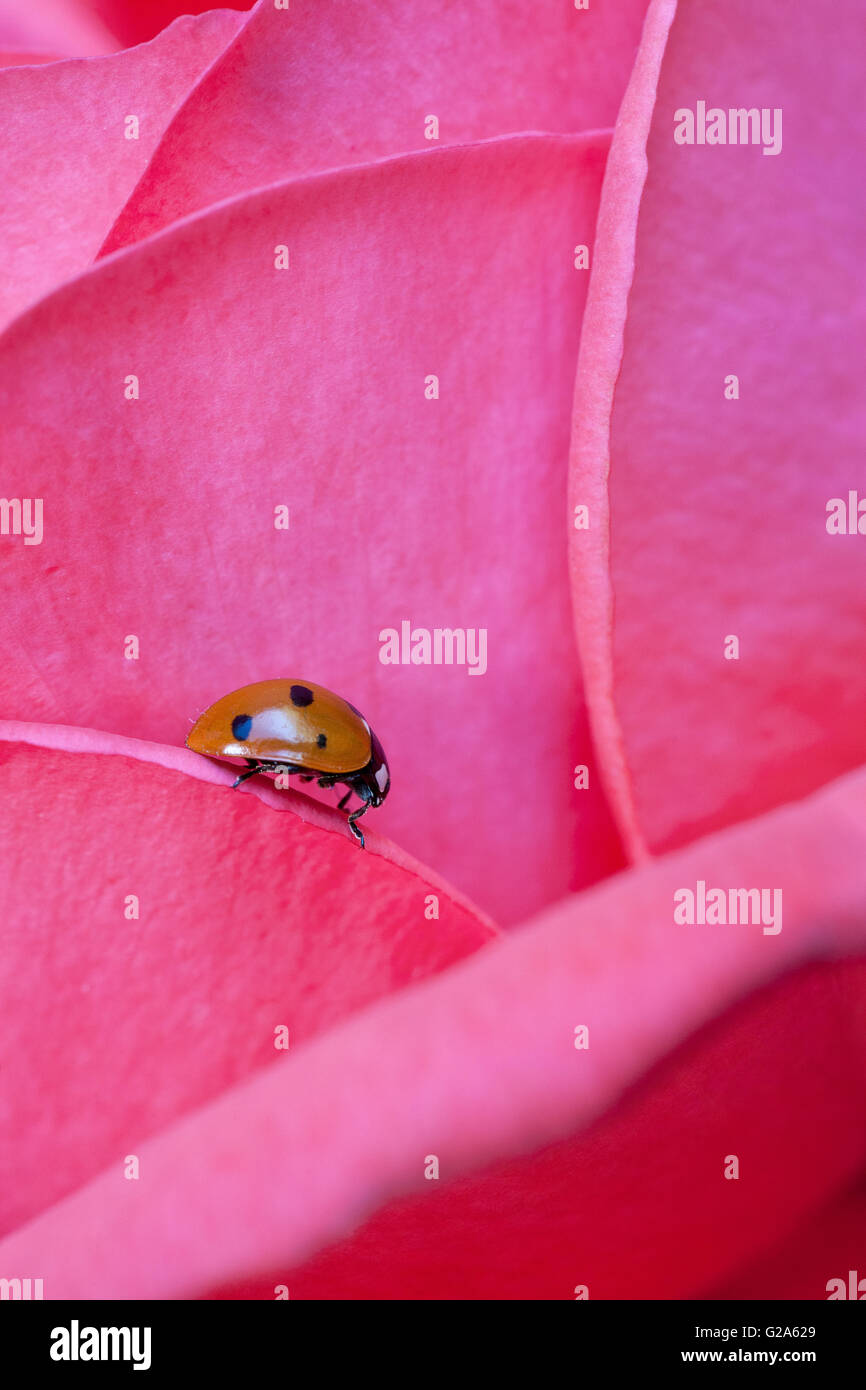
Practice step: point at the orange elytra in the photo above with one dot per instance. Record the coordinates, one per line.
(299, 728)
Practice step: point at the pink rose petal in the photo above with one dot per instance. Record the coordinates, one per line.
(247, 921)
(135, 21)
(717, 507)
(12, 59)
(598, 366)
(479, 1067)
(637, 1207)
(66, 166)
(63, 27)
(329, 85)
(826, 1247)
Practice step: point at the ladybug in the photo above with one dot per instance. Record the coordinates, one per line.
(302, 729)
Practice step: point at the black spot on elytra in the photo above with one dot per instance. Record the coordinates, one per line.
(241, 725)
(301, 695)
(322, 740)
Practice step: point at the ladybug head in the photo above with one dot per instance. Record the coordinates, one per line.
(375, 776)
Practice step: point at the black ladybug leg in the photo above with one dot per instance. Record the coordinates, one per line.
(252, 768)
(343, 799)
(354, 816)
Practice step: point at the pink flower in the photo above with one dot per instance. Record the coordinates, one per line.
(463, 1110)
